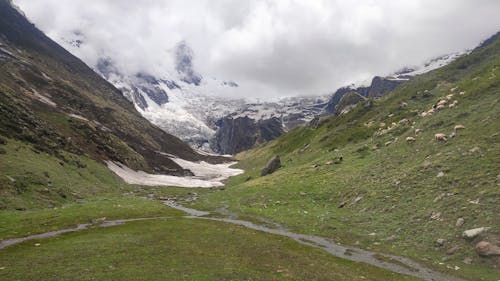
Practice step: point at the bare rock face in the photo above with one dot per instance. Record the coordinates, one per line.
(486, 249)
(378, 87)
(273, 165)
(241, 133)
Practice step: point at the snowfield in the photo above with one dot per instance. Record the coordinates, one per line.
(205, 174)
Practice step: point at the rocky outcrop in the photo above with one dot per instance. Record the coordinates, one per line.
(184, 64)
(347, 102)
(272, 166)
(337, 96)
(378, 87)
(381, 86)
(139, 86)
(238, 134)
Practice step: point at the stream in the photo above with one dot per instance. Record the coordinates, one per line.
(389, 262)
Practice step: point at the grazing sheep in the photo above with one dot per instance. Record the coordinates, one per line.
(459, 127)
(439, 107)
(448, 97)
(442, 102)
(418, 131)
(461, 93)
(440, 137)
(452, 105)
(410, 139)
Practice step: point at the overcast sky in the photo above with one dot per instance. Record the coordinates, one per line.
(281, 48)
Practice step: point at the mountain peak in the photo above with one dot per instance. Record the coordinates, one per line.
(184, 64)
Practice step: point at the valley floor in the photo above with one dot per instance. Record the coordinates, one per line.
(169, 248)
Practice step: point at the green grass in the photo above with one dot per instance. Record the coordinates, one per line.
(34, 179)
(177, 249)
(390, 190)
(22, 223)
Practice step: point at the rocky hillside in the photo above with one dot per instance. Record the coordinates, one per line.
(382, 85)
(413, 173)
(54, 104)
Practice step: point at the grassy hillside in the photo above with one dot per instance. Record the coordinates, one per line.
(387, 193)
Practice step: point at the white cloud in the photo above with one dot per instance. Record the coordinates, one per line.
(272, 47)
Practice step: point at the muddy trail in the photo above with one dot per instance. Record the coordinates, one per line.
(389, 262)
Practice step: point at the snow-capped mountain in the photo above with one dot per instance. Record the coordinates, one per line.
(378, 86)
(435, 63)
(187, 105)
(190, 106)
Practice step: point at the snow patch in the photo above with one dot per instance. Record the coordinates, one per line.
(207, 171)
(206, 175)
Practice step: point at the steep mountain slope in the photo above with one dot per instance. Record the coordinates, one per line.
(52, 103)
(378, 176)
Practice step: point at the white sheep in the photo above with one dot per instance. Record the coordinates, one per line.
(439, 107)
(440, 137)
(442, 102)
(418, 131)
(410, 139)
(458, 127)
(461, 93)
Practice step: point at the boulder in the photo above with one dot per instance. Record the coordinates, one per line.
(472, 233)
(486, 249)
(273, 165)
(440, 242)
(467, 261)
(452, 250)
